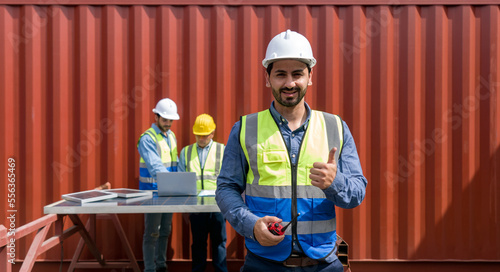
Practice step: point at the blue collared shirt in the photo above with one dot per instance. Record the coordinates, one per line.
(347, 189)
(147, 150)
(202, 154)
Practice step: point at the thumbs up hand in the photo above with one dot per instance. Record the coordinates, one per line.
(323, 174)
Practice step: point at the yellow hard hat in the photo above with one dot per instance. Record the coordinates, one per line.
(203, 125)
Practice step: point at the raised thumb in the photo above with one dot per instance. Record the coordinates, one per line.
(331, 156)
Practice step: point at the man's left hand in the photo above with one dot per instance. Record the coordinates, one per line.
(323, 174)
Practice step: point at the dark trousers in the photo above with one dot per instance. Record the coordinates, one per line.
(255, 263)
(203, 224)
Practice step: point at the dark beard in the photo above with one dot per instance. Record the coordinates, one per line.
(289, 103)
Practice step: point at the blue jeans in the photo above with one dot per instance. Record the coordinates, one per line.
(254, 263)
(203, 224)
(157, 228)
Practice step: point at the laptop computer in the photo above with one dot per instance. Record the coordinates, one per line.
(176, 183)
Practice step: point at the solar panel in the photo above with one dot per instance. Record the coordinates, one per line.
(127, 193)
(138, 199)
(89, 196)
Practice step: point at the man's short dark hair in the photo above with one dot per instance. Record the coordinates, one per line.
(270, 67)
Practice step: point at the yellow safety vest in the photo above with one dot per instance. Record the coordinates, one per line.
(206, 176)
(276, 187)
(168, 155)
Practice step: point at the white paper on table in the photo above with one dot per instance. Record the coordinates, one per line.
(207, 193)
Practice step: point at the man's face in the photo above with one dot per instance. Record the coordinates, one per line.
(163, 124)
(203, 141)
(289, 80)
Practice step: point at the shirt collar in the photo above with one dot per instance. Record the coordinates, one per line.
(280, 119)
(206, 147)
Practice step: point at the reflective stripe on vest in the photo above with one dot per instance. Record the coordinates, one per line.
(211, 168)
(167, 154)
(275, 187)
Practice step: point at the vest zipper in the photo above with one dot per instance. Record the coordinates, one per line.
(294, 192)
(202, 179)
(294, 202)
(294, 184)
(202, 184)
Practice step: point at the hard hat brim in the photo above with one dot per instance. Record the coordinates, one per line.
(167, 116)
(309, 62)
(203, 133)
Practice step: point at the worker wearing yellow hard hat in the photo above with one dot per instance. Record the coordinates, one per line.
(205, 159)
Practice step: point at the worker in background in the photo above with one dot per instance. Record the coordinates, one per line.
(205, 158)
(294, 164)
(158, 150)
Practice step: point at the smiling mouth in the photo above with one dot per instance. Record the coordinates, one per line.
(287, 90)
(289, 93)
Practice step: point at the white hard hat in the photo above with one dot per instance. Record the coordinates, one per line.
(167, 109)
(289, 45)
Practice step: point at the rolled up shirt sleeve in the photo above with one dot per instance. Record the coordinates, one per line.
(231, 184)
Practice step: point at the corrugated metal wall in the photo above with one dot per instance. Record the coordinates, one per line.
(418, 86)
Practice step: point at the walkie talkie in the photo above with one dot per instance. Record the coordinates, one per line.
(277, 229)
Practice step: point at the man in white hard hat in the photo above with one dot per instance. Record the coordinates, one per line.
(158, 149)
(205, 158)
(294, 165)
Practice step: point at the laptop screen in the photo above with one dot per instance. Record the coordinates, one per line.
(176, 183)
